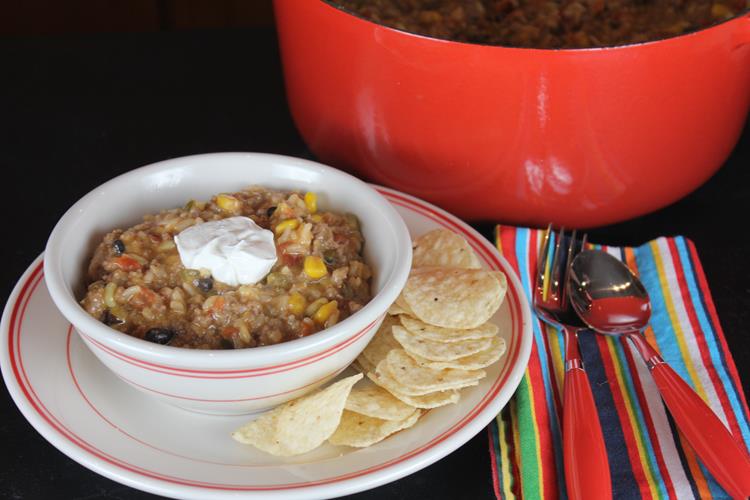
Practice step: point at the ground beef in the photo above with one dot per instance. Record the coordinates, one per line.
(547, 24)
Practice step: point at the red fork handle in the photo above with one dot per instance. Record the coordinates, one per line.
(584, 453)
(720, 452)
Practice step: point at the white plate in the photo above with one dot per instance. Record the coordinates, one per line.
(104, 424)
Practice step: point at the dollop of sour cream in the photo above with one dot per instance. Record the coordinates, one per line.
(236, 250)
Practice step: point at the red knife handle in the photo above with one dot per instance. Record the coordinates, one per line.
(585, 456)
(723, 455)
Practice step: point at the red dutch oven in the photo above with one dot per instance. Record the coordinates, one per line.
(580, 137)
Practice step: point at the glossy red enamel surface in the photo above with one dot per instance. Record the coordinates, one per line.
(576, 137)
(619, 314)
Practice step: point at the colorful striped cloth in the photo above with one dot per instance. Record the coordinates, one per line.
(648, 458)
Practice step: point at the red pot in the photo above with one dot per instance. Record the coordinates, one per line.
(577, 137)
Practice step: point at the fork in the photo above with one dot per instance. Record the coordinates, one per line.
(584, 454)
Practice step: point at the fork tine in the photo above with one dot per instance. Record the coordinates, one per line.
(541, 262)
(572, 252)
(554, 275)
(573, 249)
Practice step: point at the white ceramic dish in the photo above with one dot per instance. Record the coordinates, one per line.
(103, 423)
(230, 381)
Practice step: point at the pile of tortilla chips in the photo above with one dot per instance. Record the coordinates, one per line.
(436, 340)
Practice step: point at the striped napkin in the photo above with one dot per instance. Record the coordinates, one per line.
(648, 458)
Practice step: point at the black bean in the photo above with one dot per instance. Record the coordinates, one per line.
(119, 247)
(226, 344)
(270, 211)
(205, 284)
(329, 256)
(110, 319)
(159, 335)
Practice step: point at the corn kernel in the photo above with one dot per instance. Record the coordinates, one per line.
(315, 267)
(228, 203)
(286, 224)
(311, 202)
(316, 218)
(325, 311)
(296, 304)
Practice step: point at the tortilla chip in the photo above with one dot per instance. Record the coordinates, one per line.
(360, 430)
(453, 297)
(374, 401)
(476, 361)
(396, 309)
(443, 248)
(385, 381)
(300, 425)
(431, 400)
(438, 351)
(415, 380)
(362, 365)
(439, 334)
(402, 305)
(382, 342)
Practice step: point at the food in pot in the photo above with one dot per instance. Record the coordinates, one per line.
(251, 268)
(547, 24)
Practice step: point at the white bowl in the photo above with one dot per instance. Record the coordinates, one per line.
(226, 381)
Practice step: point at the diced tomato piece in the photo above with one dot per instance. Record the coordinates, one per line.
(289, 259)
(340, 238)
(127, 263)
(292, 259)
(307, 329)
(148, 295)
(218, 305)
(228, 331)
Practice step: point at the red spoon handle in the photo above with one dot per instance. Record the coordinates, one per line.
(719, 451)
(586, 464)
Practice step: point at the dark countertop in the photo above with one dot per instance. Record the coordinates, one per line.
(76, 111)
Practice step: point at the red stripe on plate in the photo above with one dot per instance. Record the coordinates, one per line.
(256, 398)
(220, 374)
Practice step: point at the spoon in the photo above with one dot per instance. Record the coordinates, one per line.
(611, 300)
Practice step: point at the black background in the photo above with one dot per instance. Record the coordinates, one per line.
(77, 110)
